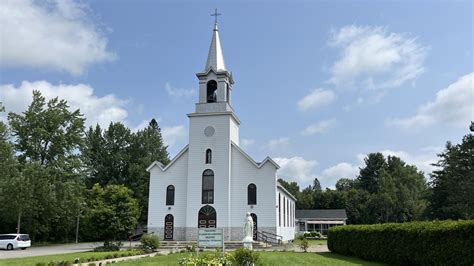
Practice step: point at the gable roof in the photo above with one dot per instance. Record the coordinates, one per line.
(321, 214)
(258, 165)
(162, 166)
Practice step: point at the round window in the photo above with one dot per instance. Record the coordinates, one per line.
(209, 131)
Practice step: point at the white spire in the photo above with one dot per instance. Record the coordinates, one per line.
(215, 58)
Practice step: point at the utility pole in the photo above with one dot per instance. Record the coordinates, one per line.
(77, 221)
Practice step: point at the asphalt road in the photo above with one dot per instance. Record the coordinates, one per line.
(51, 250)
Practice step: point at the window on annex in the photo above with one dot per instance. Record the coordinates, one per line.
(252, 194)
(208, 187)
(279, 209)
(170, 195)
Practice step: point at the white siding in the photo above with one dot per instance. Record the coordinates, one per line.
(176, 175)
(245, 172)
(287, 228)
(220, 146)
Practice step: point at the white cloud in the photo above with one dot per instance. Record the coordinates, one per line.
(374, 58)
(317, 98)
(247, 142)
(297, 169)
(172, 135)
(453, 105)
(330, 175)
(177, 92)
(274, 144)
(102, 110)
(321, 127)
(56, 35)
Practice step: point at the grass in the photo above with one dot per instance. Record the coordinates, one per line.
(266, 258)
(59, 257)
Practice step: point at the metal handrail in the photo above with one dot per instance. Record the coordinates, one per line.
(266, 236)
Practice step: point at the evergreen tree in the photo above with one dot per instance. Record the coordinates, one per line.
(118, 156)
(452, 185)
(369, 175)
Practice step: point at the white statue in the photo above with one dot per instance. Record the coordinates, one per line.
(248, 231)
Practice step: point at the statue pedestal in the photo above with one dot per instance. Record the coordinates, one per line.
(248, 245)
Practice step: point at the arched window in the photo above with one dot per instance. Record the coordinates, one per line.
(211, 91)
(170, 195)
(208, 156)
(252, 194)
(279, 209)
(208, 187)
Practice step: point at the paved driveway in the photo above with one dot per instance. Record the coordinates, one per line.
(51, 250)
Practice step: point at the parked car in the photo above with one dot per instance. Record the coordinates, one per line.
(14, 241)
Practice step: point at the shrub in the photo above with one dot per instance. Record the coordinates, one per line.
(300, 237)
(316, 234)
(243, 256)
(150, 242)
(109, 246)
(414, 243)
(304, 245)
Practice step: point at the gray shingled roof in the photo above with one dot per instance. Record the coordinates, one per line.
(321, 214)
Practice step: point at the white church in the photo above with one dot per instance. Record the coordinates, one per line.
(212, 182)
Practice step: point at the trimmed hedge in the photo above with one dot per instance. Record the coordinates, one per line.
(414, 243)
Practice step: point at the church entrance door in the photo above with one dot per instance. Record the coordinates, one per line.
(207, 217)
(254, 218)
(169, 224)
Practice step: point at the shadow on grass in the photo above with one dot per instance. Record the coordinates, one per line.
(348, 259)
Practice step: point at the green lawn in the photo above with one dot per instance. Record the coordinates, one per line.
(266, 258)
(48, 258)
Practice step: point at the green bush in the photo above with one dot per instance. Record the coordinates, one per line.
(150, 242)
(243, 256)
(109, 246)
(414, 243)
(304, 245)
(316, 234)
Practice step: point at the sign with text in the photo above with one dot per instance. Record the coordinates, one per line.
(210, 238)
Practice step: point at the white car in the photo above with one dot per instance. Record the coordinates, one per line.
(14, 241)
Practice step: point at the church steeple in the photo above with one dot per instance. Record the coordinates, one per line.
(215, 82)
(215, 58)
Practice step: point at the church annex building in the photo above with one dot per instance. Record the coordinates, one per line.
(212, 182)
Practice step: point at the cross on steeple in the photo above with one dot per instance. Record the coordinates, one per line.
(215, 16)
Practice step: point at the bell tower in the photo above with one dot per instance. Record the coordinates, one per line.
(215, 82)
(213, 127)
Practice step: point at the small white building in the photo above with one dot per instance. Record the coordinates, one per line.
(212, 182)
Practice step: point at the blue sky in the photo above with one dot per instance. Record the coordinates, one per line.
(318, 84)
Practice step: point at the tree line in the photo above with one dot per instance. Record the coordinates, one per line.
(389, 190)
(54, 172)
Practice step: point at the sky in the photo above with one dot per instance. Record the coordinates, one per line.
(318, 84)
